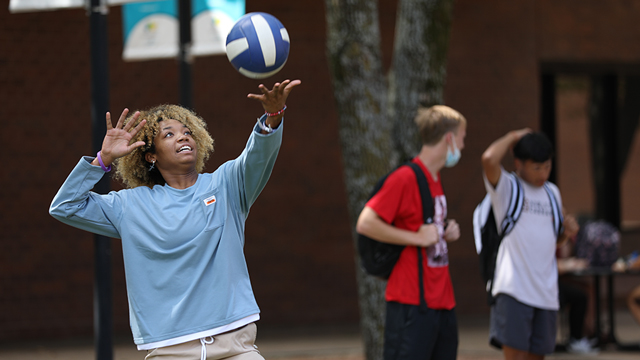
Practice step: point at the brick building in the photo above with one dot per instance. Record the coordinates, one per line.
(302, 265)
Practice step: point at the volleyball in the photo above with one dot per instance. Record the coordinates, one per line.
(258, 45)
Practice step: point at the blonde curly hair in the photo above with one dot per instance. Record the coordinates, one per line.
(133, 169)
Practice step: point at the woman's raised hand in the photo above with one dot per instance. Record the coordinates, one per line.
(275, 99)
(116, 142)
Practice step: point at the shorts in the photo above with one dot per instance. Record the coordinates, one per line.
(522, 327)
(421, 335)
(238, 343)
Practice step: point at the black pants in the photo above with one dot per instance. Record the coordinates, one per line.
(411, 334)
(576, 299)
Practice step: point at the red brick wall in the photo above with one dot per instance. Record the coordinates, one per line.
(495, 57)
(492, 80)
(589, 30)
(299, 247)
(298, 242)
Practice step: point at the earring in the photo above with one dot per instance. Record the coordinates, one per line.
(153, 164)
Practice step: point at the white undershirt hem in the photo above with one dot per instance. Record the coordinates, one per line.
(202, 334)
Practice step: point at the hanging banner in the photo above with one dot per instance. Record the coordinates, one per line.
(151, 28)
(41, 5)
(212, 21)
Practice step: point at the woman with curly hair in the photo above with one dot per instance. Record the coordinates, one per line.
(182, 231)
(135, 170)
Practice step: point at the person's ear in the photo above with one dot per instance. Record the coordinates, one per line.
(518, 163)
(452, 138)
(150, 157)
(447, 137)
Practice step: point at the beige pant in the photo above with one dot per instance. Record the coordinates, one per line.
(233, 345)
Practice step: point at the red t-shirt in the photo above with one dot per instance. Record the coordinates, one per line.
(398, 202)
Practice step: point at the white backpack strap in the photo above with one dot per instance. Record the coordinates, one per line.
(516, 203)
(558, 218)
(480, 215)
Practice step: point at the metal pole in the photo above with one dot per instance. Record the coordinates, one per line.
(185, 58)
(596, 288)
(103, 323)
(548, 116)
(611, 310)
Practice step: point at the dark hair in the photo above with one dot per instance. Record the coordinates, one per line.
(533, 146)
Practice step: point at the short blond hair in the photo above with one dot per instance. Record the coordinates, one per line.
(133, 169)
(437, 120)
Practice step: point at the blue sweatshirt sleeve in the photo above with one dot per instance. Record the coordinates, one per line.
(252, 169)
(76, 205)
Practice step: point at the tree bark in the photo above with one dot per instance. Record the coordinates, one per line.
(353, 50)
(418, 69)
(372, 137)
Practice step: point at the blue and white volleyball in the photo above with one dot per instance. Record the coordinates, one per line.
(258, 45)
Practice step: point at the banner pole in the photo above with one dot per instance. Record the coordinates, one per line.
(103, 322)
(185, 56)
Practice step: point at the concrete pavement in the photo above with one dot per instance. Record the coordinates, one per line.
(324, 344)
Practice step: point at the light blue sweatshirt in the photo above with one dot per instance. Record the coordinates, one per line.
(183, 249)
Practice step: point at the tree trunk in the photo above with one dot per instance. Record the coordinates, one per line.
(369, 149)
(418, 69)
(353, 49)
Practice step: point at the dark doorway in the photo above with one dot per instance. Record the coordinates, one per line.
(590, 113)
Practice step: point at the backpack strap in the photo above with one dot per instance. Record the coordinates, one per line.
(516, 203)
(558, 218)
(427, 215)
(425, 193)
(480, 218)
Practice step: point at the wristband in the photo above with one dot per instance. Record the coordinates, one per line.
(279, 112)
(106, 169)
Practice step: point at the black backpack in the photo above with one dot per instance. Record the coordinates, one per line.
(487, 236)
(378, 258)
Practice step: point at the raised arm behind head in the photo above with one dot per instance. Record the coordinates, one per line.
(493, 155)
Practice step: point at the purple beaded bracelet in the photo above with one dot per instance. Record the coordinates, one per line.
(106, 169)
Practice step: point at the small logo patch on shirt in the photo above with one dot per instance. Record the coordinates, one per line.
(210, 200)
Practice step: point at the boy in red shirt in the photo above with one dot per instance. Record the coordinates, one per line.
(412, 332)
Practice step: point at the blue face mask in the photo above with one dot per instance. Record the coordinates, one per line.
(452, 156)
